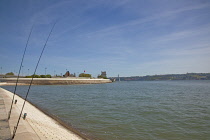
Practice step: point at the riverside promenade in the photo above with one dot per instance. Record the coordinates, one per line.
(36, 126)
(53, 81)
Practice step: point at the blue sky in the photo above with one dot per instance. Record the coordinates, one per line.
(126, 37)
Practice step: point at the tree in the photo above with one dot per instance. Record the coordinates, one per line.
(10, 73)
(36, 76)
(39, 76)
(28, 77)
(84, 75)
(43, 76)
(100, 76)
(48, 76)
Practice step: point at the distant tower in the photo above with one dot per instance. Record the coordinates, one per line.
(67, 74)
(119, 77)
(103, 73)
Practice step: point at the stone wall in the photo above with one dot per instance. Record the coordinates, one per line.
(55, 81)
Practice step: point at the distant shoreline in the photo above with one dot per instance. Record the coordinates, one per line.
(52, 81)
(187, 76)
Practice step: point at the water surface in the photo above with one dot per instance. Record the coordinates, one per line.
(136, 110)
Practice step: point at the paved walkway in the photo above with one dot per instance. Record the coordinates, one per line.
(36, 126)
(4, 125)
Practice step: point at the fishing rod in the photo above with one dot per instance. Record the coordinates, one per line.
(21, 64)
(15, 128)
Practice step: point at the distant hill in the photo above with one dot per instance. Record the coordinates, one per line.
(187, 76)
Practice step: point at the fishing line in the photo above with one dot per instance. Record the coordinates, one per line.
(15, 128)
(21, 64)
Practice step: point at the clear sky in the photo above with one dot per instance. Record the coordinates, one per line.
(126, 37)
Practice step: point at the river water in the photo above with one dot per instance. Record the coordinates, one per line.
(134, 110)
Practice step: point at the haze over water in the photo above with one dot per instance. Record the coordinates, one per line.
(152, 110)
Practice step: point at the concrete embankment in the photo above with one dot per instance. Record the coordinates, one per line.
(53, 81)
(36, 126)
